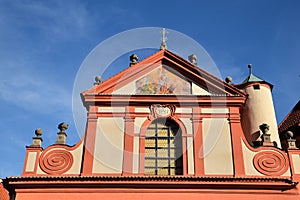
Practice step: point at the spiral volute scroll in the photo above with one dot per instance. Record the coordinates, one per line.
(270, 163)
(56, 162)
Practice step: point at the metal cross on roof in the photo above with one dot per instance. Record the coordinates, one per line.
(164, 38)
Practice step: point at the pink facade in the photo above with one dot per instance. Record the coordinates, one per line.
(165, 128)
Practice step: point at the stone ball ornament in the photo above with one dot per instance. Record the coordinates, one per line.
(38, 132)
(289, 134)
(63, 126)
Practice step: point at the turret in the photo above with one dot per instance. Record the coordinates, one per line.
(258, 109)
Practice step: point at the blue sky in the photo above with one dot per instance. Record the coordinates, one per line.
(43, 43)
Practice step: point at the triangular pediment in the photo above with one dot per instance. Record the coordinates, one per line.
(164, 73)
(162, 80)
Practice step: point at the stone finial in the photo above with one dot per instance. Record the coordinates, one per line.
(250, 68)
(266, 137)
(291, 143)
(264, 128)
(38, 132)
(193, 59)
(228, 80)
(62, 136)
(133, 59)
(289, 134)
(63, 126)
(37, 140)
(97, 80)
(164, 38)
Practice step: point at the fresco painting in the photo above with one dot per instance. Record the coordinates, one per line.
(162, 81)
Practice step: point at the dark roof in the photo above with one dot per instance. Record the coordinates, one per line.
(152, 182)
(292, 119)
(252, 78)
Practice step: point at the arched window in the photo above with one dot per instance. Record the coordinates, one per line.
(163, 148)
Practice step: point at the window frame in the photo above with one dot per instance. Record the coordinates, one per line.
(182, 129)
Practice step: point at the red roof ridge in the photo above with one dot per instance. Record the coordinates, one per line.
(121, 72)
(160, 55)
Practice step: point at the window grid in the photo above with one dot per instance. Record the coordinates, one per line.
(160, 151)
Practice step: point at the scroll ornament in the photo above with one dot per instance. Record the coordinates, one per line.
(56, 162)
(270, 163)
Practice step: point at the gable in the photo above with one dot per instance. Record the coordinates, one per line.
(181, 77)
(162, 80)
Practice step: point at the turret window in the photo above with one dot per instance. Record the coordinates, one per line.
(256, 87)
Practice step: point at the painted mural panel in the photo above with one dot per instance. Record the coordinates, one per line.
(162, 81)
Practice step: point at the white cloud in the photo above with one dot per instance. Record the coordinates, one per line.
(58, 19)
(30, 91)
(238, 74)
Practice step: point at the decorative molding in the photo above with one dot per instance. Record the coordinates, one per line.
(270, 163)
(158, 110)
(30, 149)
(163, 57)
(156, 182)
(56, 162)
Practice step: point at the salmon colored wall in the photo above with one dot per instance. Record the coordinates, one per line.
(3, 193)
(170, 194)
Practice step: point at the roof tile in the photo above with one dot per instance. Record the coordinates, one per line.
(292, 119)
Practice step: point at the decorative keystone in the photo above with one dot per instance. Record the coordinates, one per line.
(37, 140)
(62, 136)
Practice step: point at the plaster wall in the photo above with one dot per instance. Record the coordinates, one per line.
(126, 89)
(259, 109)
(248, 162)
(296, 161)
(77, 154)
(110, 109)
(31, 161)
(197, 90)
(217, 146)
(109, 145)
